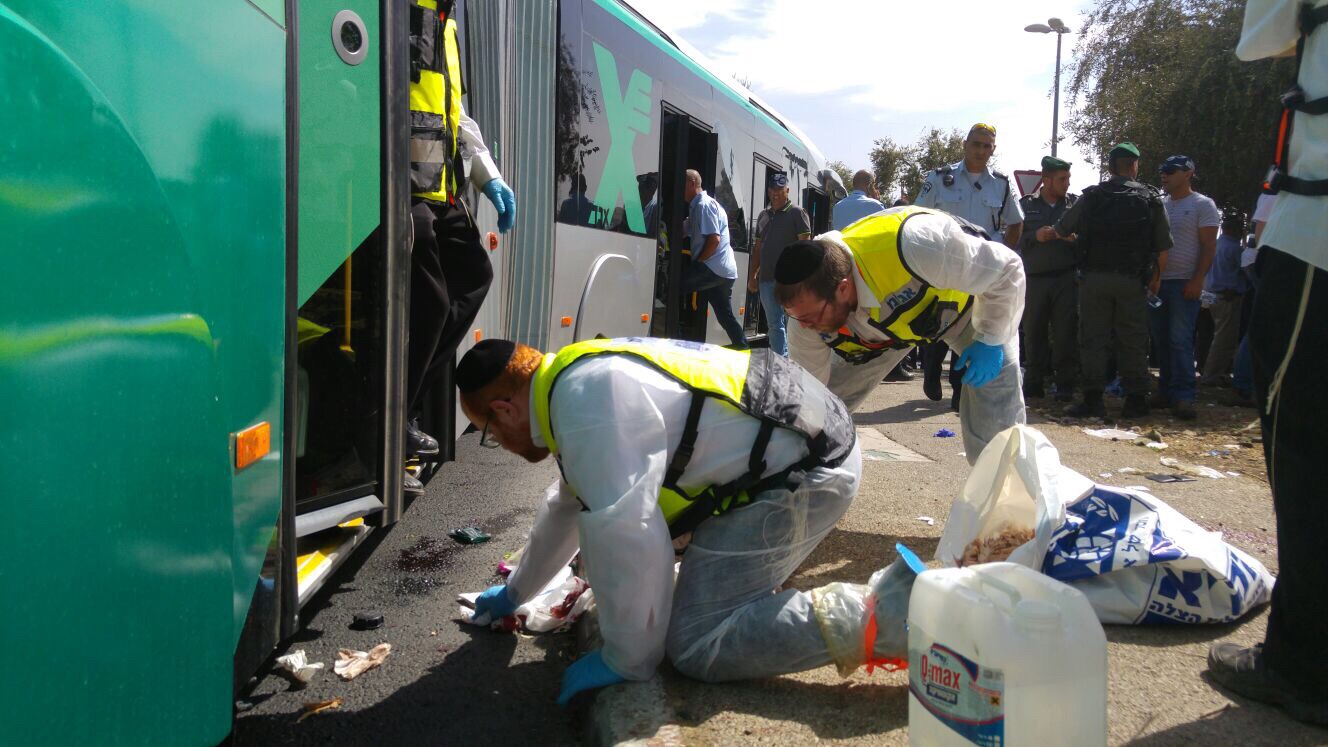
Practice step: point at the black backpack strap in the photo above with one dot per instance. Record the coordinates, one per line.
(688, 443)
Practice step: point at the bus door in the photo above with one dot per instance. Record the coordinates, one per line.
(817, 205)
(754, 321)
(684, 144)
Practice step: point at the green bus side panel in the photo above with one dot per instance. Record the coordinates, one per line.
(339, 142)
(276, 10)
(141, 323)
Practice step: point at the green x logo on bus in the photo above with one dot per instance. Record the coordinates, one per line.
(628, 114)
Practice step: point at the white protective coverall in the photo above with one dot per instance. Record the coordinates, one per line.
(619, 423)
(939, 251)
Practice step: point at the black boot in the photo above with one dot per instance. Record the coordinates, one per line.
(410, 485)
(419, 443)
(1091, 407)
(898, 374)
(1136, 406)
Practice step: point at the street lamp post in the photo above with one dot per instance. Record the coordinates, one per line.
(1057, 27)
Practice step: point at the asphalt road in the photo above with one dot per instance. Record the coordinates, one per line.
(444, 682)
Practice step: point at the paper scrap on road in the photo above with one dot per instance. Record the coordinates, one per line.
(1198, 470)
(1144, 488)
(1104, 474)
(1130, 471)
(929, 521)
(1115, 434)
(299, 666)
(351, 664)
(1158, 445)
(318, 707)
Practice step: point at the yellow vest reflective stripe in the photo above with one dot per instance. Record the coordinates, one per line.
(435, 104)
(757, 383)
(911, 311)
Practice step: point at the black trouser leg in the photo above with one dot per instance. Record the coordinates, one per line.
(933, 358)
(1037, 335)
(1296, 645)
(449, 278)
(1065, 332)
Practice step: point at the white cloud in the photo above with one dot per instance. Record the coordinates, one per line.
(948, 62)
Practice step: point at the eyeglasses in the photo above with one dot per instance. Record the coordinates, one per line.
(813, 318)
(984, 127)
(485, 440)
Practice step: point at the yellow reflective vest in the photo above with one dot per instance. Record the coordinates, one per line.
(911, 312)
(435, 102)
(759, 383)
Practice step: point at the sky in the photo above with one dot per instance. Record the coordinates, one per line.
(850, 71)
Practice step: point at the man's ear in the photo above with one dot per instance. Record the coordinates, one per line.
(503, 408)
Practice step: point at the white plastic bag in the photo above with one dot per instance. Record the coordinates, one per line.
(1018, 483)
(1139, 560)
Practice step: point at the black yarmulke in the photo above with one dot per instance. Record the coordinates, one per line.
(799, 260)
(482, 364)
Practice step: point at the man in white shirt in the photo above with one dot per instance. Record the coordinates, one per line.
(1286, 334)
(903, 277)
(655, 439)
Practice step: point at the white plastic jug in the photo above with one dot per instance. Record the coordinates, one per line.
(999, 654)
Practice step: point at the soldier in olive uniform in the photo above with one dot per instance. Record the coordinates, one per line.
(1051, 302)
(1123, 235)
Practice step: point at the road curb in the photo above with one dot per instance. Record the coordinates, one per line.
(632, 713)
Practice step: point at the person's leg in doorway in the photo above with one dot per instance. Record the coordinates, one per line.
(1284, 333)
(775, 318)
(720, 298)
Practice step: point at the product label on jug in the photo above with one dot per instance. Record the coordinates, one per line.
(960, 692)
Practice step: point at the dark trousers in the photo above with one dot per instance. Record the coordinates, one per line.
(1296, 645)
(1051, 330)
(933, 358)
(1113, 316)
(718, 292)
(449, 277)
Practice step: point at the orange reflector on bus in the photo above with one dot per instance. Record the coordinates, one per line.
(567, 321)
(252, 444)
(479, 335)
(742, 309)
(493, 241)
(645, 318)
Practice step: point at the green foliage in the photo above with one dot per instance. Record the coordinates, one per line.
(845, 173)
(934, 148)
(1164, 74)
(888, 160)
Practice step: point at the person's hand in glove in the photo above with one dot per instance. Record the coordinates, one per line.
(504, 201)
(983, 362)
(495, 602)
(587, 673)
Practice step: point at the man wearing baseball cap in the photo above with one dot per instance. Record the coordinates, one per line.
(777, 226)
(1194, 220)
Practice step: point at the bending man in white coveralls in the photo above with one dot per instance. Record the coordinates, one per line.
(657, 438)
(903, 277)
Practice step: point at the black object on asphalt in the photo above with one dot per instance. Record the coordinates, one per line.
(1172, 478)
(469, 535)
(366, 621)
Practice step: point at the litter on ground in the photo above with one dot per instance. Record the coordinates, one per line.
(1115, 434)
(298, 664)
(1198, 470)
(318, 707)
(1158, 445)
(945, 433)
(469, 535)
(929, 521)
(351, 664)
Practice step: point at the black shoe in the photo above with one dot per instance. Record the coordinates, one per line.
(1184, 410)
(411, 485)
(908, 368)
(1135, 406)
(419, 443)
(1091, 407)
(1241, 670)
(898, 374)
(1160, 401)
(932, 388)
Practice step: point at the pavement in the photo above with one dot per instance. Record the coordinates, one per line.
(447, 682)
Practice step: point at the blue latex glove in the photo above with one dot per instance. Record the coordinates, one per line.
(504, 201)
(494, 600)
(983, 362)
(587, 673)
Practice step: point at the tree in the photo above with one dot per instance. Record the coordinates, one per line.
(888, 161)
(845, 173)
(935, 148)
(1163, 74)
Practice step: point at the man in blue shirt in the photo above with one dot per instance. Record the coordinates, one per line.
(858, 204)
(712, 270)
(1226, 282)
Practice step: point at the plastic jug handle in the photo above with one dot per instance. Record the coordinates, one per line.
(1003, 587)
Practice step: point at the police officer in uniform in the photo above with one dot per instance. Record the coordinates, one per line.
(1051, 303)
(970, 190)
(1122, 232)
(450, 270)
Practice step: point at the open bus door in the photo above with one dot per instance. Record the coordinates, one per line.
(817, 204)
(684, 144)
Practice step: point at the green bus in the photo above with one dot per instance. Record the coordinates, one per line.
(204, 300)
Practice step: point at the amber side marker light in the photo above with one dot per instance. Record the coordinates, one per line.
(251, 444)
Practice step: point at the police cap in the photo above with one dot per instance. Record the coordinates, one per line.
(1052, 163)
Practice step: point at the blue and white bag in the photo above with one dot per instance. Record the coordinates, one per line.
(1137, 559)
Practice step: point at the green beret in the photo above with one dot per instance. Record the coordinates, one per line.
(1124, 150)
(1052, 163)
